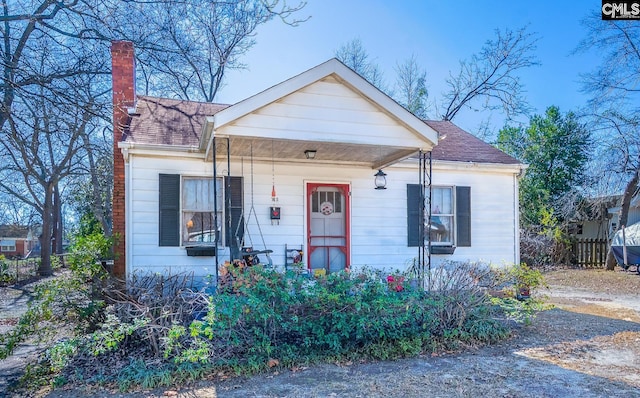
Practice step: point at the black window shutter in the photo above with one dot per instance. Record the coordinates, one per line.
(235, 221)
(415, 222)
(463, 216)
(169, 210)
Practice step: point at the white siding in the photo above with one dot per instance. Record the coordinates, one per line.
(634, 215)
(325, 111)
(594, 230)
(378, 217)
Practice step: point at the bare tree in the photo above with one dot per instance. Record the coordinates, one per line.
(492, 75)
(184, 47)
(489, 80)
(620, 151)
(23, 26)
(615, 89)
(14, 212)
(55, 72)
(41, 146)
(411, 87)
(354, 55)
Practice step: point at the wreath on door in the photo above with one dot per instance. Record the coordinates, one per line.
(326, 208)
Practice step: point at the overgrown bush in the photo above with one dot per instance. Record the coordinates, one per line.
(6, 276)
(269, 316)
(544, 248)
(158, 331)
(70, 301)
(156, 303)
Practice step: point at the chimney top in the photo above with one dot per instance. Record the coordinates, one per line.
(123, 72)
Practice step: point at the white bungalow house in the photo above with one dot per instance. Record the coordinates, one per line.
(294, 167)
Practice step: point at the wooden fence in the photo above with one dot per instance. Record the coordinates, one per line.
(590, 253)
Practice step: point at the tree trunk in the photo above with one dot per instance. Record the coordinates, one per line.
(624, 214)
(97, 204)
(57, 221)
(45, 268)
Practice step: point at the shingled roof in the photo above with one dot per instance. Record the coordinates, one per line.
(169, 121)
(14, 231)
(456, 145)
(165, 121)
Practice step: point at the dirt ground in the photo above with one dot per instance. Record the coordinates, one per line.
(587, 346)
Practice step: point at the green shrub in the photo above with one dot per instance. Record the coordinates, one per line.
(266, 315)
(6, 276)
(70, 298)
(261, 319)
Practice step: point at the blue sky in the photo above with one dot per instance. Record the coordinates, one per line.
(437, 33)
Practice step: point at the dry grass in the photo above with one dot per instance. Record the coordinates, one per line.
(615, 357)
(596, 280)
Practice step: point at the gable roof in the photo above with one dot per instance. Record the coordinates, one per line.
(14, 231)
(457, 145)
(164, 121)
(342, 73)
(174, 122)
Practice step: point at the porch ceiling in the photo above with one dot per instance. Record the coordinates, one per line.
(375, 156)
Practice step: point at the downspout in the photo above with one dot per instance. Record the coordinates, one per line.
(227, 194)
(516, 216)
(215, 208)
(128, 181)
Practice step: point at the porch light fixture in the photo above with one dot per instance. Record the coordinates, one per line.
(310, 154)
(381, 180)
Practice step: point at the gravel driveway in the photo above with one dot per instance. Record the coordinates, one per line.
(588, 346)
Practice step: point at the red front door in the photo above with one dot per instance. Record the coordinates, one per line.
(328, 227)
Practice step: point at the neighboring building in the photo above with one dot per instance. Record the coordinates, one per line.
(16, 240)
(593, 219)
(294, 166)
(634, 212)
(598, 217)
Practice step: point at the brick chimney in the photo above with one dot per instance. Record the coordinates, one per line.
(123, 71)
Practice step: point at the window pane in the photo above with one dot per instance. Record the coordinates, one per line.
(220, 190)
(198, 227)
(197, 194)
(314, 202)
(197, 210)
(442, 201)
(441, 230)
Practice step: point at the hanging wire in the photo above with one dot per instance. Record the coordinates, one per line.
(252, 211)
(273, 176)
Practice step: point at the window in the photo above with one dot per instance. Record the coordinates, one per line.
(198, 210)
(8, 245)
(442, 217)
(450, 216)
(186, 210)
(326, 202)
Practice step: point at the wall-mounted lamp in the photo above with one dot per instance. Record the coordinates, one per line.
(310, 153)
(381, 180)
